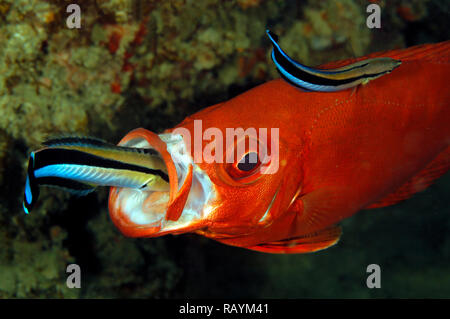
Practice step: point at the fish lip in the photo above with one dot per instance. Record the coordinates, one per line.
(117, 212)
(173, 220)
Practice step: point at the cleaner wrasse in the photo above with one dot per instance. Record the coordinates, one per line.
(80, 164)
(338, 153)
(328, 80)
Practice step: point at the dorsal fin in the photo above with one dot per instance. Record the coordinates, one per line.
(91, 142)
(76, 140)
(438, 167)
(437, 52)
(319, 240)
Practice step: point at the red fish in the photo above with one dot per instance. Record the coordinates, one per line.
(339, 153)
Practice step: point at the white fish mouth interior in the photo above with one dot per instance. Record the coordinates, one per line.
(131, 200)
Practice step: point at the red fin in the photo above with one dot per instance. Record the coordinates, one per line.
(437, 52)
(438, 167)
(305, 244)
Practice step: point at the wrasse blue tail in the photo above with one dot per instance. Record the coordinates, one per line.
(331, 80)
(31, 188)
(79, 165)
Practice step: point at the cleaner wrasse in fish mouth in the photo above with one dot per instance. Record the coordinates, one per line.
(338, 153)
(80, 164)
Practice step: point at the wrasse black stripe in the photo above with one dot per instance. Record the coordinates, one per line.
(54, 156)
(325, 72)
(93, 142)
(313, 79)
(353, 68)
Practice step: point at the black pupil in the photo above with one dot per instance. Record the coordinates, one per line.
(248, 162)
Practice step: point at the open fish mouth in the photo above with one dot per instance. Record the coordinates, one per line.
(150, 212)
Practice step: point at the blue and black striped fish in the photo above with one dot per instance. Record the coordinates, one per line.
(80, 164)
(329, 80)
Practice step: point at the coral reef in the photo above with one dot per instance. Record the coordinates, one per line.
(149, 63)
(35, 268)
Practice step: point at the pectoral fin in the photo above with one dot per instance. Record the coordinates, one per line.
(305, 244)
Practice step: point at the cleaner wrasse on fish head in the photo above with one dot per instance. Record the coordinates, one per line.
(335, 154)
(328, 80)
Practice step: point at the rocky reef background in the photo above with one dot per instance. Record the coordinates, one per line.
(149, 64)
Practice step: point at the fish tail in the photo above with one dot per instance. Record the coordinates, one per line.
(31, 193)
(31, 188)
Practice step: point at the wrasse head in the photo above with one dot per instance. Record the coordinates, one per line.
(380, 65)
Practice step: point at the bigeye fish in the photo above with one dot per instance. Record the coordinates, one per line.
(337, 153)
(328, 80)
(80, 164)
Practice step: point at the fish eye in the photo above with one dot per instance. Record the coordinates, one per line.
(245, 166)
(246, 170)
(248, 162)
